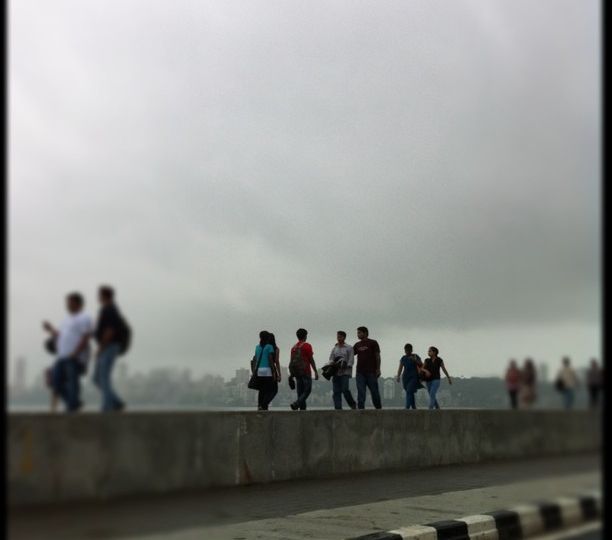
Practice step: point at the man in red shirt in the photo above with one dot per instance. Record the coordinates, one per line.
(300, 369)
(367, 352)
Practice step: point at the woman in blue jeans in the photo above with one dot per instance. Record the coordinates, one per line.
(433, 365)
(409, 368)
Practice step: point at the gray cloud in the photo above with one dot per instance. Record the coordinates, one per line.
(233, 166)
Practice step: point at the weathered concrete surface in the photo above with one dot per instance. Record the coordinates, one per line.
(54, 458)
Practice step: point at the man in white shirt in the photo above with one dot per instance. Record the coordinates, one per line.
(342, 353)
(72, 345)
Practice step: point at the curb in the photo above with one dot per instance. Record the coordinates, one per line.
(523, 521)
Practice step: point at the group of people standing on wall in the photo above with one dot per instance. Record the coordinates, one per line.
(521, 384)
(412, 371)
(69, 343)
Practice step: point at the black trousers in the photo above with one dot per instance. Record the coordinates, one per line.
(593, 396)
(268, 388)
(513, 398)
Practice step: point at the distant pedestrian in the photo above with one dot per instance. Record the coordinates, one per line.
(513, 383)
(266, 369)
(112, 335)
(433, 364)
(301, 365)
(71, 343)
(595, 383)
(410, 368)
(368, 368)
(566, 383)
(342, 356)
(527, 390)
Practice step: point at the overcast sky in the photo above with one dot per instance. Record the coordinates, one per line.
(429, 169)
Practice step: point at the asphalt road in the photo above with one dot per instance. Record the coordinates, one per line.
(313, 508)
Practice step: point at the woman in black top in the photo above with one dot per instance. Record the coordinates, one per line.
(434, 364)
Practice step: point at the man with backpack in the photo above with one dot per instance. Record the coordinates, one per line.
(113, 336)
(300, 369)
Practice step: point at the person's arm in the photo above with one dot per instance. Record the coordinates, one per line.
(377, 360)
(312, 363)
(81, 346)
(48, 327)
(446, 373)
(399, 371)
(107, 337)
(351, 357)
(277, 364)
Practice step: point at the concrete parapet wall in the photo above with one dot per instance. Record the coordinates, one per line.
(56, 458)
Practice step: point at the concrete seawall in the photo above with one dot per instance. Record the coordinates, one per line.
(57, 458)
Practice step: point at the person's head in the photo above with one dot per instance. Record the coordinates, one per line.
(264, 336)
(529, 363)
(341, 336)
(301, 334)
(74, 302)
(106, 294)
(566, 361)
(432, 352)
(362, 332)
(594, 363)
(272, 339)
(408, 348)
(513, 364)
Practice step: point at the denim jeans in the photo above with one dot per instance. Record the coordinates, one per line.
(432, 388)
(341, 388)
(102, 377)
(568, 398)
(410, 386)
(303, 387)
(369, 380)
(65, 381)
(268, 388)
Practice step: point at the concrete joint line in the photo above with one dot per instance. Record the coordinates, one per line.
(523, 521)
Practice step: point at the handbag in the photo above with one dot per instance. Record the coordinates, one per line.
(254, 380)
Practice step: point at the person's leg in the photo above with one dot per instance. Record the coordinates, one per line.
(361, 390)
(304, 386)
(412, 400)
(72, 384)
(372, 382)
(106, 361)
(58, 380)
(271, 392)
(307, 390)
(407, 400)
(347, 392)
(337, 392)
(261, 394)
(432, 388)
(513, 400)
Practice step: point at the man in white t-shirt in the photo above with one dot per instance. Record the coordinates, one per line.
(72, 345)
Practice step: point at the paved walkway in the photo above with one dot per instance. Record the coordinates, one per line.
(317, 509)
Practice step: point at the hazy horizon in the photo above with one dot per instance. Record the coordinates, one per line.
(430, 170)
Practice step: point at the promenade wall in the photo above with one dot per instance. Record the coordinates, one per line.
(91, 456)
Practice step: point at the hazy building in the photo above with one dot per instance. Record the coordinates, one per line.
(543, 372)
(389, 389)
(243, 375)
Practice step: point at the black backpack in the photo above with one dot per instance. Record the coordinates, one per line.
(125, 336)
